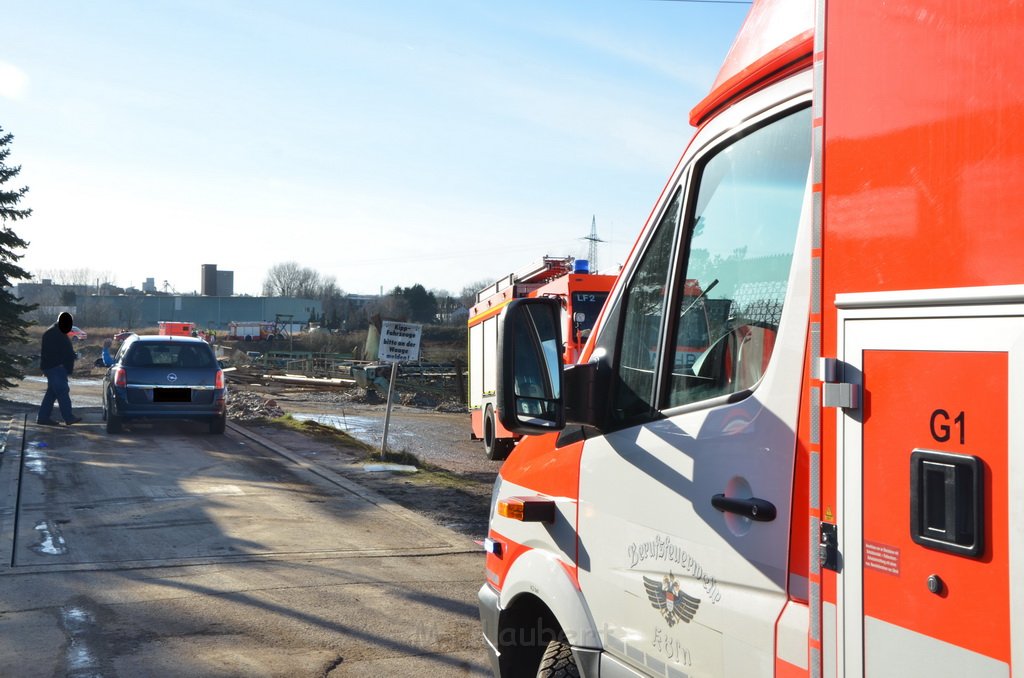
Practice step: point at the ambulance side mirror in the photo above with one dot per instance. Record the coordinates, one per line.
(529, 388)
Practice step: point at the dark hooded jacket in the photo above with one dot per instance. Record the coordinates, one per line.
(57, 348)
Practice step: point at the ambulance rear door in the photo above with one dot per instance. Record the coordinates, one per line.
(930, 475)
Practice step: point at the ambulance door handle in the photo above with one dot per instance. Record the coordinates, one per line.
(761, 510)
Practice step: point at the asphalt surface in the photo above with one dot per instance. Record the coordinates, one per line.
(166, 551)
(441, 439)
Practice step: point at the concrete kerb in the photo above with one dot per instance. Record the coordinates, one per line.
(462, 543)
(11, 450)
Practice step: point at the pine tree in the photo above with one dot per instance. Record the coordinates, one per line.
(12, 312)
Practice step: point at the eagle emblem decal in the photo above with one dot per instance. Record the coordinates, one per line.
(668, 598)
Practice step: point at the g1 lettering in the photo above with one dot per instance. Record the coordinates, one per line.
(941, 429)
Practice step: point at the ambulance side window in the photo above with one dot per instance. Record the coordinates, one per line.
(742, 232)
(644, 301)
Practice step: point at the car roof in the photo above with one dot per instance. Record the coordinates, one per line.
(165, 338)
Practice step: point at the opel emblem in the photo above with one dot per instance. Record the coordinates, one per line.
(172, 377)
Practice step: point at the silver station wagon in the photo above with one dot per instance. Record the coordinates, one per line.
(164, 377)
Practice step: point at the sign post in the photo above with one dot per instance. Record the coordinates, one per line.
(398, 342)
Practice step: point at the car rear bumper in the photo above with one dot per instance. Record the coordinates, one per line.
(138, 404)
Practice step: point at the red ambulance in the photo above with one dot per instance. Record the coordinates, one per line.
(827, 489)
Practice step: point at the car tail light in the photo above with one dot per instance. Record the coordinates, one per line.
(218, 381)
(120, 377)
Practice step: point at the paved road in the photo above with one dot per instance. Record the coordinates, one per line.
(166, 551)
(439, 438)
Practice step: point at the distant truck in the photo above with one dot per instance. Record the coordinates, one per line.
(262, 330)
(177, 329)
(582, 296)
(254, 330)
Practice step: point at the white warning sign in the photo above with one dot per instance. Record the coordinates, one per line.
(399, 342)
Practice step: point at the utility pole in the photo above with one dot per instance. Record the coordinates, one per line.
(592, 252)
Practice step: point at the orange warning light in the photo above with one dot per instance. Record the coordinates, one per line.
(528, 509)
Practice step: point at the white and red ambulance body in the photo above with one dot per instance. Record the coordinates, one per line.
(828, 490)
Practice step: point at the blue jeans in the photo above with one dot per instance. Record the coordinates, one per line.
(56, 389)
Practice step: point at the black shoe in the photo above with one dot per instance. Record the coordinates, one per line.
(73, 420)
(47, 422)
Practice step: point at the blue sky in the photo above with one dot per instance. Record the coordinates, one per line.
(381, 143)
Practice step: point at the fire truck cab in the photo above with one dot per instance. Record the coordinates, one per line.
(826, 488)
(581, 294)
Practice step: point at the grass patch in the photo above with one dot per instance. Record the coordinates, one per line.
(320, 432)
(429, 475)
(331, 434)
(438, 477)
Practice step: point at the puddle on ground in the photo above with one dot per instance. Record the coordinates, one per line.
(390, 468)
(361, 428)
(35, 459)
(72, 381)
(365, 429)
(52, 542)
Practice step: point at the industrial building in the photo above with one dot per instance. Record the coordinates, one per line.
(207, 312)
(213, 309)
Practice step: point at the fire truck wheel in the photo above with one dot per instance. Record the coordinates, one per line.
(496, 448)
(558, 662)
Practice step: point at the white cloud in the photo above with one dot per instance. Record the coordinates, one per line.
(13, 82)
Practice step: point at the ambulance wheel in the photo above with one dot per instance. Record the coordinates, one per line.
(496, 448)
(558, 662)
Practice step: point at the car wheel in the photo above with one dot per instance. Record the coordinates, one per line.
(218, 425)
(113, 423)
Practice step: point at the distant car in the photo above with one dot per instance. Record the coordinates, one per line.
(121, 336)
(164, 377)
(77, 333)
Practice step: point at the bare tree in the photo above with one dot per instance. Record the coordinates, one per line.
(282, 280)
(291, 280)
(467, 297)
(76, 276)
(309, 284)
(288, 279)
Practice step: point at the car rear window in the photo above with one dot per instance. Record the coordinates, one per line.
(169, 355)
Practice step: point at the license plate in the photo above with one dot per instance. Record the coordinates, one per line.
(172, 395)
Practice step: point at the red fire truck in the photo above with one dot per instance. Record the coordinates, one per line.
(827, 489)
(178, 329)
(581, 295)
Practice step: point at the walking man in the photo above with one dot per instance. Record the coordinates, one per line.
(57, 361)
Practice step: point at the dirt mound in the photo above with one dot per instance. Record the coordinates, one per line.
(366, 396)
(246, 406)
(424, 400)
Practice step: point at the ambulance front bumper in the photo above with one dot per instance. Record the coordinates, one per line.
(489, 612)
